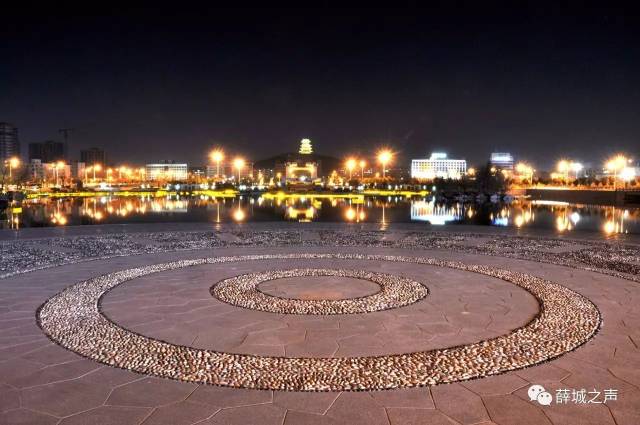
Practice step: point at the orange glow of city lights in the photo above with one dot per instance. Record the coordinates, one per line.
(616, 163)
(350, 214)
(238, 163)
(217, 155)
(350, 164)
(384, 156)
(239, 215)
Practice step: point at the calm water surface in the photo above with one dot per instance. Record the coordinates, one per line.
(560, 217)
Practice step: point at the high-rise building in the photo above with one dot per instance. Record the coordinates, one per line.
(48, 151)
(9, 143)
(93, 156)
(438, 166)
(502, 161)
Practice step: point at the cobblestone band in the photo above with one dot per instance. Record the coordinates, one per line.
(243, 291)
(73, 319)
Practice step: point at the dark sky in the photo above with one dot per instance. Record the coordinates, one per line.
(540, 82)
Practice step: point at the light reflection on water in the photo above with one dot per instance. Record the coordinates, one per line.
(559, 216)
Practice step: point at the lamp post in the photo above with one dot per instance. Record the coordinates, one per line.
(56, 166)
(616, 164)
(563, 167)
(363, 163)
(96, 167)
(384, 157)
(13, 163)
(217, 156)
(351, 164)
(238, 164)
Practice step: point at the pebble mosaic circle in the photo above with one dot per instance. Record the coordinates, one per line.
(243, 291)
(73, 319)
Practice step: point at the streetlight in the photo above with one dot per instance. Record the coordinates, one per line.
(238, 164)
(384, 157)
(351, 164)
(576, 167)
(96, 167)
(13, 163)
(57, 165)
(563, 167)
(217, 156)
(363, 163)
(616, 164)
(526, 169)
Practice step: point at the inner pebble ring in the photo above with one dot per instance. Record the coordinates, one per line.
(72, 318)
(395, 291)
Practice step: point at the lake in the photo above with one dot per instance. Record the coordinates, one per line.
(560, 217)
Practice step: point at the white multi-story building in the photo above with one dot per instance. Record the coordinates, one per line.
(502, 160)
(169, 171)
(438, 166)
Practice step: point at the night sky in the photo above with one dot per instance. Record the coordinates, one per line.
(155, 84)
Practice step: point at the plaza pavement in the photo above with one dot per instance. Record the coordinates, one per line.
(44, 383)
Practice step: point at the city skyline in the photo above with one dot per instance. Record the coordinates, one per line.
(542, 85)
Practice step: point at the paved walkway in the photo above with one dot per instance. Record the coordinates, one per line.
(41, 382)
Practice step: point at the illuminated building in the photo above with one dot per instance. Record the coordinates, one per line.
(305, 147)
(438, 166)
(36, 170)
(301, 172)
(167, 171)
(502, 161)
(9, 143)
(301, 167)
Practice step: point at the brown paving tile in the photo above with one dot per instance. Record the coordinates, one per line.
(495, 385)
(512, 410)
(183, 412)
(589, 414)
(55, 373)
(26, 417)
(21, 349)
(419, 398)
(312, 347)
(150, 392)
(110, 376)
(543, 373)
(9, 398)
(109, 415)
(229, 397)
(260, 350)
(275, 337)
(65, 398)
(459, 403)
(300, 418)
(52, 354)
(309, 402)
(262, 414)
(406, 416)
(357, 408)
(625, 410)
(16, 369)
